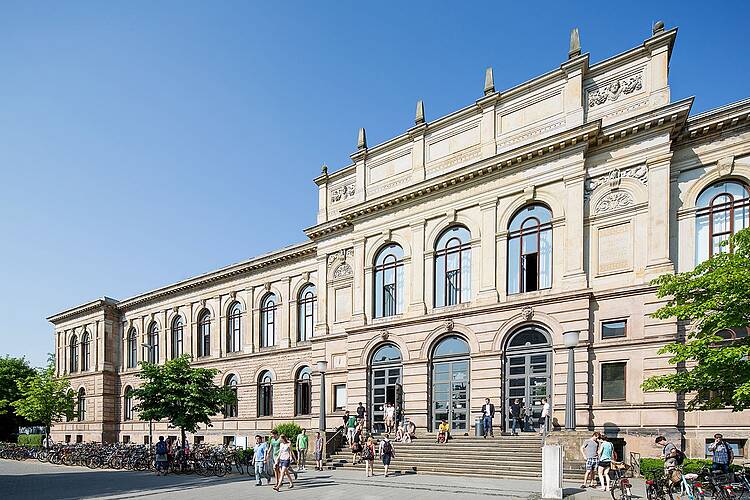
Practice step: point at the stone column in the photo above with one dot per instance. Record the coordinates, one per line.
(488, 252)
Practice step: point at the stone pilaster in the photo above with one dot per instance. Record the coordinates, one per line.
(574, 276)
(359, 316)
(659, 261)
(417, 305)
(488, 252)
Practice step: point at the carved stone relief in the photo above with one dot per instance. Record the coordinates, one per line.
(614, 176)
(527, 312)
(343, 271)
(342, 193)
(613, 90)
(613, 201)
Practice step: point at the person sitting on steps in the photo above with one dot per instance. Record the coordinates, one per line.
(444, 433)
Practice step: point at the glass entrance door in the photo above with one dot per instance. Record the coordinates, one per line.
(527, 377)
(450, 395)
(386, 388)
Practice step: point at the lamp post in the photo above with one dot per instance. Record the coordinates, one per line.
(149, 347)
(322, 367)
(570, 339)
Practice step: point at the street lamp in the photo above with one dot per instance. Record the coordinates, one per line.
(570, 339)
(322, 367)
(149, 347)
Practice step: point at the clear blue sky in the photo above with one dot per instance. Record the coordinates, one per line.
(145, 142)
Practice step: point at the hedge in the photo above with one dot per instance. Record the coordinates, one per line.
(290, 430)
(30, 439)
(651, 467)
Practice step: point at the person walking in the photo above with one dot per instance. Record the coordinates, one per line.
(361, 414)
(544, 417)
(390, 417)
(270, 465)
(488, 413)
(351, 426)
(302, 442)
(161, 456)
(319, 447)
(261, 457)
(606, 450)
(275, 446)
(386, 453)
(368, 455)
(722, 454)
(286, 455)
(590, 452)
(514, 413)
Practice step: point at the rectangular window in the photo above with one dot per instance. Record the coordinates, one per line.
(614, 329)
(339, 397)
(145, 440)
(197, 440)
(613, 381)
(79, 438)
(67, 438)
(125, 439)
(228, 440)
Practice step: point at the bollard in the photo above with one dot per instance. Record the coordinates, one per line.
(478, 427)
(552, 471)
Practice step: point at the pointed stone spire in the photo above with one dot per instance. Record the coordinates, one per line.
(361, 139)
(658, 27)
(489, 82)
(575, 44)
(419, 117)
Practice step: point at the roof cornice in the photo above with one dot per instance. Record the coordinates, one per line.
(706, 124)
(82, 309)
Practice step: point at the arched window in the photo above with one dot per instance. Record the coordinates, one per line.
(389, 281)
(453, 267)
(450, 384)
(723, 209)
(132, 348)
(527, 337)
(234, 328)
(387, 353)
(127, 403)
(152, 347)
(232, 410)
(303, 391)
(73, 354)
(265, 394)
(204, 334)
(530, 250)
(178, 329)
(734, 333)
(306, 305)
(81, 404)
(268, 320)
(85, 352)
(452, 345)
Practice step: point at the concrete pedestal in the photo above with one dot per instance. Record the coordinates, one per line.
(552, 471)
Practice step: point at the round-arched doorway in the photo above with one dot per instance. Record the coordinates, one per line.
(528, 370)
(450, 384)
(385, 385)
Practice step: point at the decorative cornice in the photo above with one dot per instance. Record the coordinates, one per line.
(734, 115)
(82, 309)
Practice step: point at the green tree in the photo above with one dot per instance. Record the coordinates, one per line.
(11, 370)
(44, 398)
(715, 296)
(185, 396)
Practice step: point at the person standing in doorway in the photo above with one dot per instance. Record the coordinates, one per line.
(514, 413)
(261, 458)
(606, 449)
(390, 417)
(302, 442)
(368, 455)
(386, 453)
(722, 454)
(488, 413)
(319, 450)
(590, 452)
(544, 417)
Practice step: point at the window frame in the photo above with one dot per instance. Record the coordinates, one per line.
(153, 343)
(81, 405)
(132, 341)
(603, 323)
(127, 402)
(520, 234)
(381, 271)
(444, 254)
(232, 410)
(177, 337)
(85, 352)
(602, 366)
(303, 389)
(306, 310)
(73, 347)
(337, 406)
(204, 334)
(711, 209)
(265, 394)
(268, 320)
(234, 328)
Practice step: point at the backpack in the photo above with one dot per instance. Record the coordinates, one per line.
(367, 453)
(161, 448)
(387, 448)
(679, 457)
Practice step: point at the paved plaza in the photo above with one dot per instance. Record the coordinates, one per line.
(41, 481)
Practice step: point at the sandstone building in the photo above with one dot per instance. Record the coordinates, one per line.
(446, 264)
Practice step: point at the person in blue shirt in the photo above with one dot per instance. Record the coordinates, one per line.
(260, 460)
(722, 454)
(606, 452)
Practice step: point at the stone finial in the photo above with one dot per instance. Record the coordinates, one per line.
(324, 169)
(489, 82)
(658, 27)
(419, 117)
(361, 139)
(575, 44)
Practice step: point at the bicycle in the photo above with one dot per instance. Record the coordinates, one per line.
(659, 487)
(621, 487)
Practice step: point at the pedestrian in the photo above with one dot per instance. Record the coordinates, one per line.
(275, 444)
(302, 441)
(361, 414)
(606, 450)
(544, 417)
(390, 417)
(443, 432)
(386, 453)
(723, 455)
(590, 452)
(161, 456)
(368, 455)
(488, 413)
(319, 449)
(261, 457)
(357, 447)
(514, 413)
(672, 455)
(345, 418)
(270, 464)
(351, 426)
(286, 455)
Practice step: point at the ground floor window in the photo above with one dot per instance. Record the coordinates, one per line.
(228, 440)
(67, 438)
(197, 440)
(613, 381)
(339, 397)
(79, 438)
(125, 439)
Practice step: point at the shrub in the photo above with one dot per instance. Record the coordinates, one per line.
(651, 467)
(30, 439)
(290, 430)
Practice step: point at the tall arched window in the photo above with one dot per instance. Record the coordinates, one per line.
(81, 404)
(268, 320)
(232, 410)
(127, 403)
(73, 354)
(453, 267)
(265, 394)
(389, 281)
(530, 250)
(132, 348)
(450, 383)
(204, 334)
(234, 328)
(178, 330)
(306, 304)
(85, 352)
(152, 348)
(723, 209)
(303, 391)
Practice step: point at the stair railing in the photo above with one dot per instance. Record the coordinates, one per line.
(334, 442)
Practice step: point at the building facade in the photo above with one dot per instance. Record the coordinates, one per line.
(446, 264)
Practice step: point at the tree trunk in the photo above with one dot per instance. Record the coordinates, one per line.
(184, 437)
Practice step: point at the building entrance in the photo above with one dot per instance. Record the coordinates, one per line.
(450, 384)
(527, 375)
(385, 386)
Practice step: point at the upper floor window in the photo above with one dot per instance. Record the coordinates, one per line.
(530, 250)
(303, 391)
(231, 410)
(127, 402)
(152, 347)
(453, 267)
(723, 209)
(74, 354)
(306, 312)
(204, 334)
(265, 394)
(178, 329)
(389, 281)
(81, 404)
(234, 328)
(85, 352)
(268, 320)
(132, 348)
(734, 333)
